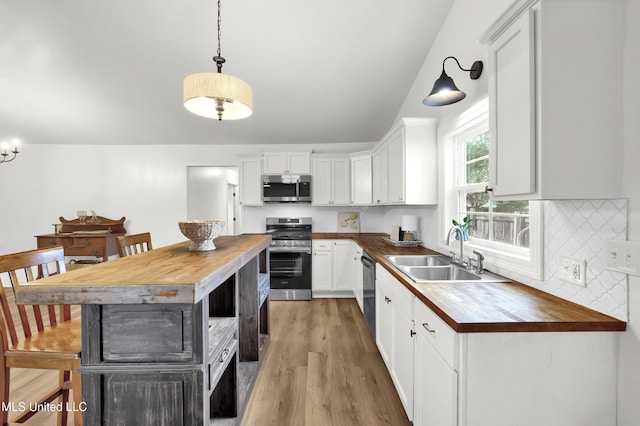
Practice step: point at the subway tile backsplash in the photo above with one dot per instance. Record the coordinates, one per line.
(575, 228)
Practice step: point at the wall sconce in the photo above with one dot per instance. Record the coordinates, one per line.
(444, 90)
(5, 151)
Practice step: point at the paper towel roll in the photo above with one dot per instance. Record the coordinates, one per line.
(409, 223)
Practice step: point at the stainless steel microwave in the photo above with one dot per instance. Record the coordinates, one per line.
(286, 188)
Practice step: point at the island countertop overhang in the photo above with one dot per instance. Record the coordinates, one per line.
(170, 274)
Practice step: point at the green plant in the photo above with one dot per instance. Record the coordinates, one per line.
(465, 225)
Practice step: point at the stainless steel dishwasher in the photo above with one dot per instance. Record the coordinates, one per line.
(369, 291)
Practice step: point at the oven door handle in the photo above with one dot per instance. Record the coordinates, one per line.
(290, 250)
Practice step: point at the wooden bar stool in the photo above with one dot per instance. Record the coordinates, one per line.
(51, 345)
(129, 245)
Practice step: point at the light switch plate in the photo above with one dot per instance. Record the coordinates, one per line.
(623, 256)
(573, 270)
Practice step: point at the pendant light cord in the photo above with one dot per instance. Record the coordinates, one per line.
(218, 59)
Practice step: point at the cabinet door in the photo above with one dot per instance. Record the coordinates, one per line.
(299, 163)
(322, 181)
(251, 181)
(341, 181)
(436, 387)
(342, 265)
(383, 319)
(361, 179)
(358, 273)
(322, 270)
(275, 163)
(512, 160)
(381, 174)
(396, 167)
(403, 351)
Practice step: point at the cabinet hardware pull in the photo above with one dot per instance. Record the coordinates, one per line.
(426, 327)
(387, 299)
(224, 355)
(412, 333)
(86, 243)
(53, 242)
(487, 189)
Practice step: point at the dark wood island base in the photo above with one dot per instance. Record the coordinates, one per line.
(169, 337)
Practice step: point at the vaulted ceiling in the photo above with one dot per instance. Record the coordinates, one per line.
(111, 72)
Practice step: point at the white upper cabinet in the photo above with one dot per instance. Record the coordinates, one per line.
(405, 163)
(380, 176)
(251, 180)
(331, 180)
(361, 174)
(554, 99)
(287, 163)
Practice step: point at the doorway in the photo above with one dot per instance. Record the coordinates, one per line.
(212, 194)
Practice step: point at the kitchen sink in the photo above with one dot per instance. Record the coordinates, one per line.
(439, 269)
(440, 273)
(419, 260)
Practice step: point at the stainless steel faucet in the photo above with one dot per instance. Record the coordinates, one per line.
(459, 261)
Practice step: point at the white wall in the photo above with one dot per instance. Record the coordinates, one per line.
(145, 183)
(629, 373)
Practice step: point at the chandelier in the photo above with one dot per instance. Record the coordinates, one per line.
(217, 95)
(6, 152)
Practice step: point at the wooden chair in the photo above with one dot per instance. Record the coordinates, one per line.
(129, 245)
(52, 345)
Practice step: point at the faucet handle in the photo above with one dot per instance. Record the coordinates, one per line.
(479, 259)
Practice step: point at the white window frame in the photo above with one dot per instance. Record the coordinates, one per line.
(499, 257)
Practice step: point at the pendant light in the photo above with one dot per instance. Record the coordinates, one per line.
(217, 95)
(444, 90)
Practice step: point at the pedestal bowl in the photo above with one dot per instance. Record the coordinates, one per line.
(201, 233)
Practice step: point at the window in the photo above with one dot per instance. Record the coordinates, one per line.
(507, 232)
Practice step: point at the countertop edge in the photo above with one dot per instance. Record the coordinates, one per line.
(604, 323)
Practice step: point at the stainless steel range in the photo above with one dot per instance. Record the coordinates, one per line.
(290, 258)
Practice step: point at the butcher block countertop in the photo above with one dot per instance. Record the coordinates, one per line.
(170, 274)
(487, 307)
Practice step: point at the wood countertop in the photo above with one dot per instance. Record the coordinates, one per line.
(487, 307)
(170, 274)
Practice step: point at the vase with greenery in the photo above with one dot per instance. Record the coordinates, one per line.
(463, 226)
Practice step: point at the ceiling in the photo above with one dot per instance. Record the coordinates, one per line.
(111, 72)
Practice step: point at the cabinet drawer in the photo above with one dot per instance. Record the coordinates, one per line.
(437, 332)
(221, 359)
(44, 242)
(322, 244)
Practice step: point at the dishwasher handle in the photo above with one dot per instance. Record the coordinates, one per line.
(368, 262)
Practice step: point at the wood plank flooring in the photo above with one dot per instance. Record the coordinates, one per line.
(322, 368)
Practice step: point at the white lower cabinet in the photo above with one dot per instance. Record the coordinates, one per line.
(358, 282)
(332, 268)
(444, 378)
(436, 380)
(394, 333)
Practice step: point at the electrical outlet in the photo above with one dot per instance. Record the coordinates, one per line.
(623, 256)
(573, 270)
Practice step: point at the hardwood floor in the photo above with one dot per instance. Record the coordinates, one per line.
(322, 368)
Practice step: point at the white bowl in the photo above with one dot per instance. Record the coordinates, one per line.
(201, 233)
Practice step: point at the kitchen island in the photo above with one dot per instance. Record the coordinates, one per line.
(169, 337)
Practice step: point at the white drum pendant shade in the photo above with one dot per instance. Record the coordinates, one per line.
(203, 91)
